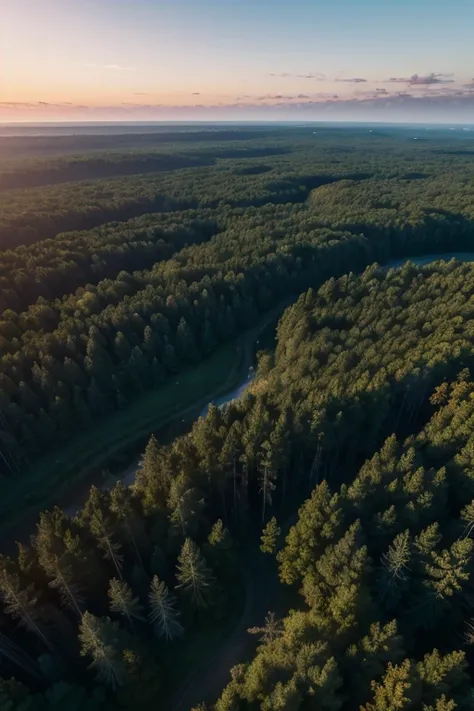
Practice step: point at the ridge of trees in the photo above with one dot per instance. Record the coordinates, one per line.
(70, 360)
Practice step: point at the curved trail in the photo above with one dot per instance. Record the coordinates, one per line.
(206, 683)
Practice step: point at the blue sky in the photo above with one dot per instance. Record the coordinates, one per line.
(237, 59)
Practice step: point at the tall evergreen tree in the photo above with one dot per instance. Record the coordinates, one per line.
(123, 602)
(163, 613)
(101, 640)
(269, 539)
(195, 578)
(21, 603)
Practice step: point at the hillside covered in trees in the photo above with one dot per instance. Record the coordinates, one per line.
(361, 418)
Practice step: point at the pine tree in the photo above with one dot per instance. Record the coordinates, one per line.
(185, 343)
(128, 513)
(186, 505)
(137, 369)
(446, 673)
(229, 457)
(122, 347)
(219, 537)
(153, 480)
(367, 659)
(218, 550)
(467, 520)
(394, 576)
(101, 639)
(271, 630)
(269, 537)
(61, 570)
(61, 556)
(96, 516)
(123, 602)
(268, 467)
(399, 689)
(319, 522)
(163, 613)
(441, 704)
(20, 602)
(195, 578)
(443, 589)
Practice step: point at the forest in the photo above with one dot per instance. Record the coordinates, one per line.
(344, 474)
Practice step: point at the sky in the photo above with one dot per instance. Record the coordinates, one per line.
(212, 60)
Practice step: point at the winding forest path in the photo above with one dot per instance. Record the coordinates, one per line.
(262, 593)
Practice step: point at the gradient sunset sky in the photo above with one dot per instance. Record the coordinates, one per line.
(150, 60)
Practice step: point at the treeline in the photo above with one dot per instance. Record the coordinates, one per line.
(53, 268)
(57, 144)
(43, 172)
(85, 167)
(295, 162)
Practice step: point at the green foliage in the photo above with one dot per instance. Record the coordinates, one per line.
(194, 577)
(313, 530)
(101, 640)
(94, 319)
(269, 538)
(123, 602)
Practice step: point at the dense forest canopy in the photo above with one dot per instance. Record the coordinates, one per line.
(128, 266)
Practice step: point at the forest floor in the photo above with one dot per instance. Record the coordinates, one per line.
(263, 593)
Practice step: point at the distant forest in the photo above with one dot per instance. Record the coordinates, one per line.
(128, 264)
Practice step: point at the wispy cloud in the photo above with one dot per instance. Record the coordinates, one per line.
(354, 80)
(16, 105)
(113, 67)
(278, 97)
(422, 102)
(196, 93)
(427, 80)
(316, 76)
(45, 105)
